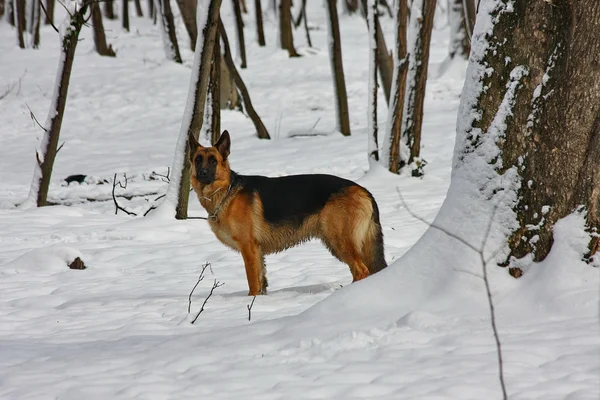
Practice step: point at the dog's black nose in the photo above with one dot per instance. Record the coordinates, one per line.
(203, 171)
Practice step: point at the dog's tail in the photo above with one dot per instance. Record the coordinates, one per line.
(373, 255)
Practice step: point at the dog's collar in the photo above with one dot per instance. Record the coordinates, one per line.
(214, 215)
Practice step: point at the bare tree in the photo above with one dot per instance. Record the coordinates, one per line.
(169, 36)
(109, 9)
(213, 101)
(337, 69)
(260, 31)
(19, 9)
(285, 27)
(48, 148)
(49, 12)
(188, 10)
(373, 147)
(418, 48)
(138, 8)
(35, 24)
(99, 37)
(239, 25)
(125, 15)
(392, 143)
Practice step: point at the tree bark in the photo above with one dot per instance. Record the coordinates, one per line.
(416, 80)
(214, 92)
(47, 153)
(10, 12)
(392, 142)
(99, 37)
(373, 146)
(285, 27)
(305, 18)
(239, 25)
(543, 104)
(125, 15)
(384, 60)
(20, 21)
(193, 122)
(2, 8)
(109, 9)
(138, 8)
(188, 10)
(261, 130)
(260, 31)
(50, 12)
(337, 69)
(151, 12)
(460, 28)
(35, 24)
(229, 98)
(169, 36)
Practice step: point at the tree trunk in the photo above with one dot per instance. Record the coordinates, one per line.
(260, 31)
(229, 98)
(188, 10)
(138, 8)
(239, 24)
(169, 37)
(46, 154)
(384, 60)
(109, 9)
(261, 130)
(460, 40)
(373, 146)
(305, 18)
(35, 24)
(10, 12)
(99, 37)
(19, 8)
(177, 196)
(416, 80)
(49, 12)
(285, 27)
(244, 7)
(541, 109)
(151, 11)
(337, 69)
(125, 15)
(392, 142)
(213, 100)
(2, 8)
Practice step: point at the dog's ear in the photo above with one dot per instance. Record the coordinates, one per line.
(223, 144)
(193, 146)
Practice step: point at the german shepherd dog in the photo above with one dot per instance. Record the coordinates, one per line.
(257, 215)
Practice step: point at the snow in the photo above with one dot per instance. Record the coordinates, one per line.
(120, 328)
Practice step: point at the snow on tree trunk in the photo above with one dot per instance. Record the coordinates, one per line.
(175, 203)
(392, 144)
(239, 27)
(260, 31)
(167, 31)
(99, 37)
(46, 152)
(286, 37)
(188, 10)
(419, 38)
(372, 149)
(337, 70)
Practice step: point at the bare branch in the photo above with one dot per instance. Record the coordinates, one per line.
(117, 206)
(32, 115)
(216, 284)
(250, 308)
(60, 147)
(47, 17)
(200, 279)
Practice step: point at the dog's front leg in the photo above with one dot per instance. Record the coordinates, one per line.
(253, 261)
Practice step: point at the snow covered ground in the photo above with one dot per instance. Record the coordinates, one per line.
(120, 329)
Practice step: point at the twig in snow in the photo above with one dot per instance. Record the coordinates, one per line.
(200, 279)
(10, 87)
(484, 262)
(250, 308)
(216, 284)
(117, 206)
(32, 115)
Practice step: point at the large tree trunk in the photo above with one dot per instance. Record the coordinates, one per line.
(239, 25)
(260, 31)
(337, 69)
(99, 37)
(169, 37)
(125, 15)
(49, 12)
(285, 27)
(19, 8)
(541, 108)
(384, 60)
(177, 196)
(109, 9)
(261, 130)
(214, 93)
(416, 79)
(373, 147)
(188, 10)
(392, 143)
(46, 153)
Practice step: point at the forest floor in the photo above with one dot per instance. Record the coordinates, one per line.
(121, 329)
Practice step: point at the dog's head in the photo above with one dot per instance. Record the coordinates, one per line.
(209, 164)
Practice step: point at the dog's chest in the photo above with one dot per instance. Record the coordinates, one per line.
(222, 232)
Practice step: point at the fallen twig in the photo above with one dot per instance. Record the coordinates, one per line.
(200, 279)
(117, 206)
(250, 308)
(216, 284)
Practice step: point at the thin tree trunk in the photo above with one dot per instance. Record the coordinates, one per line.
(469, 9)
(260, 31)
(35, 24)
(109, 9)
(213, 101)
(10, 12)
(138, 8)
(99, 37)
(261, 130)
(384, 60)
(391, 149)
(169, 37)
(460, 41)
(151, 13)
(50, 12)
(416, 80)
(188, 10)
(19, 8)
(337, 69)
(244, 7)
(49, 145)
(285, 27)
(305, 18)
(239, 25)
(229, 97)
(2, 8)
(125, 15)
(373, 147)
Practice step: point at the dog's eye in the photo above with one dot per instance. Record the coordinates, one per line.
(199, 160)
(212, 160)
